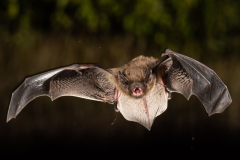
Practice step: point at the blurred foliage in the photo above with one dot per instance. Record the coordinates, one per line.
(214, 23)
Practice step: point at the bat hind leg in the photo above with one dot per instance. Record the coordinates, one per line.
(115, 103)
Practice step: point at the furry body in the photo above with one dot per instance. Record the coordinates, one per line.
(139, 89)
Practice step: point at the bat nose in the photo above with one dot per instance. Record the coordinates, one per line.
(136, 86)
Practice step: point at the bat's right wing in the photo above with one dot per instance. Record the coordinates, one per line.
(80, 80)
(188, 76)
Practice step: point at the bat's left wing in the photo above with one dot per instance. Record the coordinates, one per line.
(80, 80)
(188, 76)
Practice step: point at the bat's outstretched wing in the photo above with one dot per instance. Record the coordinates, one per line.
(81, 80)
(188, 76)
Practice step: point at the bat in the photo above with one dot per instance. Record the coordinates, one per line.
(139, 90)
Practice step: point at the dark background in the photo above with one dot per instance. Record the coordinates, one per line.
(37, 36)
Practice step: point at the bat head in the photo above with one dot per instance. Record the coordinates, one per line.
(136, 82)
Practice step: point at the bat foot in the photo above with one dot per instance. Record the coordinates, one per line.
(115, 106)
(169, 94)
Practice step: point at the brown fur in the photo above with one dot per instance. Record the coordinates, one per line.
(135, 72)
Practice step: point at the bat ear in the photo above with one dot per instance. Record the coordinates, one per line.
(123, 79)
(148, 76)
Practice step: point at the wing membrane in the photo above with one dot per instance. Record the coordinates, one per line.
(81, 80)
(188, 76)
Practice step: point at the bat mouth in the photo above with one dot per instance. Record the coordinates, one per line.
(137, 92)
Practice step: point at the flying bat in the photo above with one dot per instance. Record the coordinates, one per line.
(139, 90)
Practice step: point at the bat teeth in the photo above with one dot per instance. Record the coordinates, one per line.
(137, 92)
(136, 89)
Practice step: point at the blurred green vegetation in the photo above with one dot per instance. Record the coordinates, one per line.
(36, 36)
(207, 26)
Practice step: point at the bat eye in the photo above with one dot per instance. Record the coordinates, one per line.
(148, 76)
(123, 79)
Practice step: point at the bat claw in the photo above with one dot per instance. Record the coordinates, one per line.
(167, 51)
